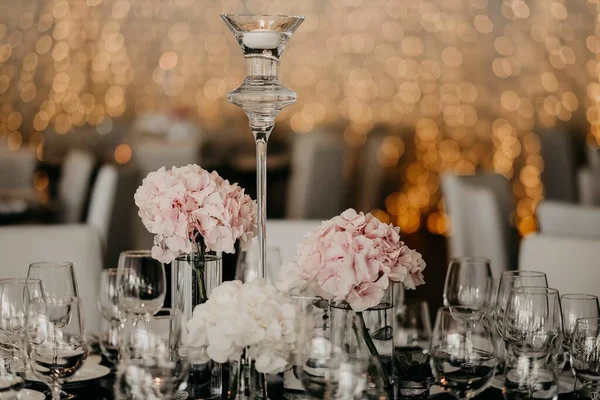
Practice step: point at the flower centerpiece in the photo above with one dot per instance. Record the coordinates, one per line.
(351, 260)
(251, 324)
(193, 211)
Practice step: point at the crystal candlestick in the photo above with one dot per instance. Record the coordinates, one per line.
(261, 95)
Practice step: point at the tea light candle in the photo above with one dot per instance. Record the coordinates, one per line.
(262, 39)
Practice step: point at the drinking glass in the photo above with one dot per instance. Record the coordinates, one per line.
(312, 363)
(58, 279)
(109, 306)
(157, 365)
(533, 340)
(412, 373)
(141, 284)
(247, 265)
(468, 287)
(585, 357)
(15, 295)
(508, 281)
(463, 359)
(574, 307)
(58, 346)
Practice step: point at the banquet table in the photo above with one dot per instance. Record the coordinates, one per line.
(102, 389)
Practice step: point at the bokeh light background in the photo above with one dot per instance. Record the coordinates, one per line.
(471, 79)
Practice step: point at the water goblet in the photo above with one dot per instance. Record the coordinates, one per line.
(585, 358)
(141, 284)
(58, 346)
(533, 340)
(113, 316)
(468, 287)
(463, 359)
(575, 306)
(158, 366)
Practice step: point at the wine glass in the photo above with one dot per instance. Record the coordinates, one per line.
(468, 287)
(247, 265)
(312, 364)
(157, 366)
(58, 278)
(141, 284)
(463, 358)
(575, 306)
(508, 281)
(109, 306)
(412, 374)
(533, 340)
(585, 357)
(58, 346)
(15, 296)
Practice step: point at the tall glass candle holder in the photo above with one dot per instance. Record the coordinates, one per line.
(262, 39)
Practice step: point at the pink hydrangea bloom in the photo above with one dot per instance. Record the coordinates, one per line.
(179, 204)
(354, 256)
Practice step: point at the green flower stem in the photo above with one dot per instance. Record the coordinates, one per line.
(373, 350)
(198, 264)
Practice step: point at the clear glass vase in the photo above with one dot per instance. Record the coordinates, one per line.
(193, 279)
(370, 331)
(262, 39)
(245, 382)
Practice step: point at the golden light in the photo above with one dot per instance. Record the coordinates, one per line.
(123, 153)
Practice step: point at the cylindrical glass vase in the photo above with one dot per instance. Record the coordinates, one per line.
(193, 279)
(378, 332)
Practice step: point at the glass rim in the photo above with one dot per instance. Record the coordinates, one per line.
(110, 271)
(587, 320)
(471, 259)
(523, 273)
(263, 15)
(19, 281)
(51, 264)
(580, 296)
(208, 257)
(535, 290)
(136, 253)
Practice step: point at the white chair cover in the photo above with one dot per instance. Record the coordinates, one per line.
(479, 207)
(102, 201)
(16, 169)
(74, 184)
(286, 234)
(317, 185)
(79, 244)
(148, 156)
(568, 220)
(586, 187)
(570, 263)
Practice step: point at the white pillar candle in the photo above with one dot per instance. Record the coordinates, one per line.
(262, 39)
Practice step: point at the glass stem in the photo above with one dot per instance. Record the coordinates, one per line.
(261, 198)
(55, 389)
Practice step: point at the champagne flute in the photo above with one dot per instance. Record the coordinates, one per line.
(575, 306)
(585, 357)
(109, 306)
(463, 358)
(15, 296)
(468, 286)
(141, 284)
(158, 367)
(57, 340)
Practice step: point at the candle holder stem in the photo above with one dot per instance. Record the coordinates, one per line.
(261, 137)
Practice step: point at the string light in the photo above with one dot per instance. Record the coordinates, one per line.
(472, 83)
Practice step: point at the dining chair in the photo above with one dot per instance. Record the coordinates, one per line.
(587, 187)
(479, 207)
(74, 184)
(568, 220)
(79, 244)
(150, 155)
(287, 233)
(317, 187)
(16, 169)
(571, 264)
(558, 175)
(372, 174)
